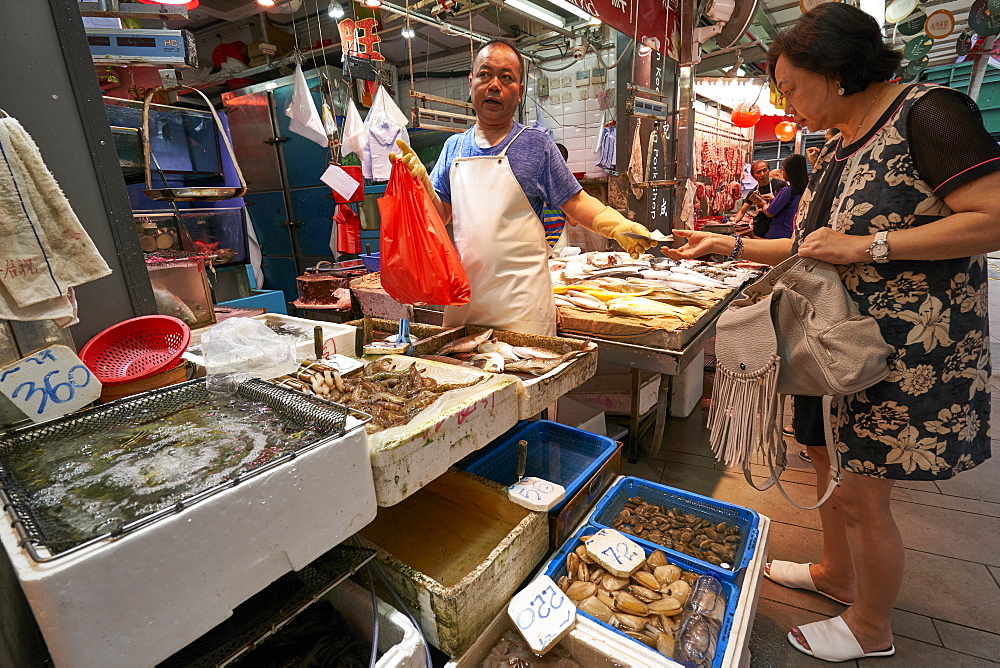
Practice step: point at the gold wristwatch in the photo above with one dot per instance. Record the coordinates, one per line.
(879, 250)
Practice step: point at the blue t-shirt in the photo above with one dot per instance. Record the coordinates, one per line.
(783, 206)
(536, 162)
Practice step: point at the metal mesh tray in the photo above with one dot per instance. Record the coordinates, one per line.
(36, 532)
(264, 613)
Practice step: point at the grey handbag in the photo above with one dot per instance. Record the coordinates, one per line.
(796, 331)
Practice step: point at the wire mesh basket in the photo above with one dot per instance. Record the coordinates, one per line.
(318, 421)
(266, 612)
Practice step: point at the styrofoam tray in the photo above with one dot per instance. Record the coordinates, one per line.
(136, 600)
(337, 338)
(399, 644)
(588, 642)
(535, 393)
(406, 458)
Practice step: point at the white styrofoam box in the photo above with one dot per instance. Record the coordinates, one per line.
(738, 649)
(588, 643)
(337, 338)
(612, 392)
(136, 600)
(399, 644)
(581, 416)
(456, 552)
(687, 387)
(404, 459)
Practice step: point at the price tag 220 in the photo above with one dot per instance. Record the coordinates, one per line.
(542, 613)
(615, 552)
(48, 384)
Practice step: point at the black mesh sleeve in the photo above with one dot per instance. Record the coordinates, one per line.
(949, 144)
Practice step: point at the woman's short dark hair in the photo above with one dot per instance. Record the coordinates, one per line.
(840, 41)
(795, 171)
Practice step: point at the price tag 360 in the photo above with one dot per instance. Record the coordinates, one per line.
(615, 552)
(536, 494)
(542, 613)
(48, 384)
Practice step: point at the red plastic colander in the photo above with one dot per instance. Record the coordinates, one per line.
(136, 348)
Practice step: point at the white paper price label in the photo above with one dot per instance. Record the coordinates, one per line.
(542, 613)
(48, 384)
(536, 494)
(615, 552)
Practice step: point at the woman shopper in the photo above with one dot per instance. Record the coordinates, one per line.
(904, 203)
(783, 207)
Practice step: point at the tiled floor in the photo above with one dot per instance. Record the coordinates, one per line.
(948, 613)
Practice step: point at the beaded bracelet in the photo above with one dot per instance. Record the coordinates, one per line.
(737, 249)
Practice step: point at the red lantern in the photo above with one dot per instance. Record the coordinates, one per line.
(785, 131)
(746, 115)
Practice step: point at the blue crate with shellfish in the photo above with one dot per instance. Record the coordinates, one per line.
(556, 452)
(555, 568)
(701, 508)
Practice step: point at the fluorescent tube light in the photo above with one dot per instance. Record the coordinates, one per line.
(572, 9)
(537, 12)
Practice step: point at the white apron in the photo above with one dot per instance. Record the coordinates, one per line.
(502, 245)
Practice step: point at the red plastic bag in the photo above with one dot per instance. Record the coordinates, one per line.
(419, 263)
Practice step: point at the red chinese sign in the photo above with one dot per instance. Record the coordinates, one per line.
(360, 38)
(645, 21)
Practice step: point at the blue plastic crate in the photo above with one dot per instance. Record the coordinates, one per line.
(557, 453)
(556, 568)
(710, 509)
(373, 263)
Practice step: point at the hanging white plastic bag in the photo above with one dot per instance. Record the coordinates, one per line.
(355, 134)
(303, 116)
(238, 349)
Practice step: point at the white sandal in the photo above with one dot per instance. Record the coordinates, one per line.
(832, 640)
(795, 576)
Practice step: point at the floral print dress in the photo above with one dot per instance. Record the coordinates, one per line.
(929, 419)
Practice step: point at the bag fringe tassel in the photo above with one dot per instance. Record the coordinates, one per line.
(744, 412)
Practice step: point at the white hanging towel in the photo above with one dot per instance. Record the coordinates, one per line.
(355, 134)
(46, 251)
(385, 124)
(256, 257)
(303, 116)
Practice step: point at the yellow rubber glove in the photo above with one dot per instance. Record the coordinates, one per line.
(412, 163)
(611, 224)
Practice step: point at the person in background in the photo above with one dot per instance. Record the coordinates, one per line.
(767, 188)
(784, 206)
(776, 174)
(813, 152)
(494, 180)
(553, 218)
(907, 212)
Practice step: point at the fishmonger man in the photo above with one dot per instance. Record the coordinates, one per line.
(493, 181)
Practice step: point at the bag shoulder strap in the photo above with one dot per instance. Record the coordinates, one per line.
(776, 468)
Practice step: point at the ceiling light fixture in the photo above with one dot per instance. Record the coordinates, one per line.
(372, 4)
(408, 33)
(336, 10)
(266, 3)
(537, 12)
(167, 2)
(572, 9)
